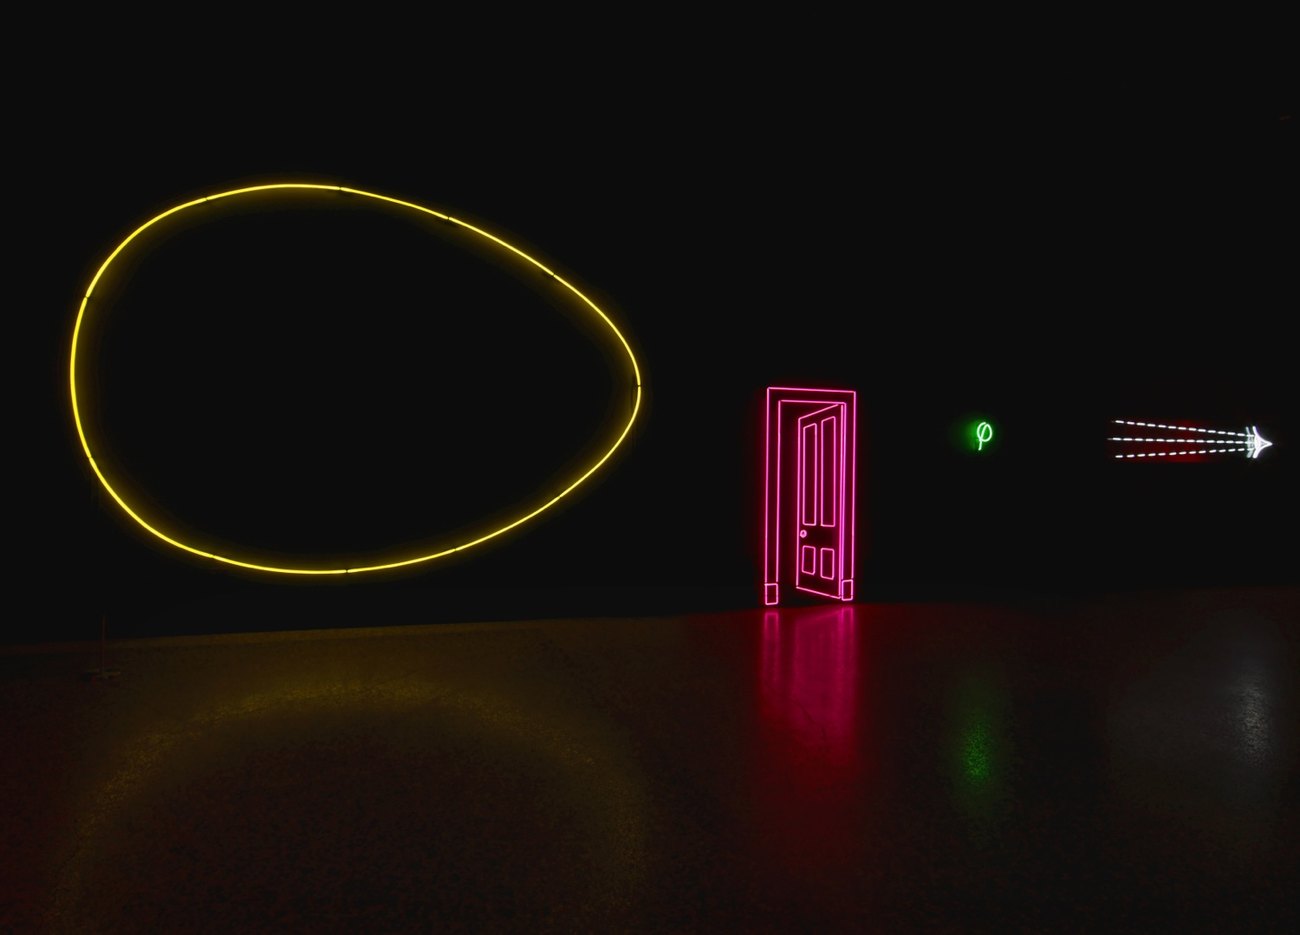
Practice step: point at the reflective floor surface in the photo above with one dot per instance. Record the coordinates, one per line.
(1122, 764)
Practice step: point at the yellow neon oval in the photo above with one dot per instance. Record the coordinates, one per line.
(415, 559)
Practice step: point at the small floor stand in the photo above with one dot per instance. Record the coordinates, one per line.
(103, 673)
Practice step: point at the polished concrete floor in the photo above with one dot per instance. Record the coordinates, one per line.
(1111, 764)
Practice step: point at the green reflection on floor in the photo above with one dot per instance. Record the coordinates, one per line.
(980, 750)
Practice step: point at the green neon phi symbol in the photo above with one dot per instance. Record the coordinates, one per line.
(983, 434)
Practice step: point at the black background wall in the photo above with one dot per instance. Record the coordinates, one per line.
(1047, 263)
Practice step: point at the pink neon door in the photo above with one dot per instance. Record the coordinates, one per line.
(819, 513)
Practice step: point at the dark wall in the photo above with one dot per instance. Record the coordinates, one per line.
(1048, 270)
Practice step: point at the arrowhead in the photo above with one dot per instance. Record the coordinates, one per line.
(1257, 443)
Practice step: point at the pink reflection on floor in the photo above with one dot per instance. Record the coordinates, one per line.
(812, 764)
(809, 676)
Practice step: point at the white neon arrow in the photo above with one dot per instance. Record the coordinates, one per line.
(1251, 443)
(1257, 443)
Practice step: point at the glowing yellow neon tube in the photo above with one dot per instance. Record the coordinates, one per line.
(414, 560)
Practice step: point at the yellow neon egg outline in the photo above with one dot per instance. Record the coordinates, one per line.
(229, 560)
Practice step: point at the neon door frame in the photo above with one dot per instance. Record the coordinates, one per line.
(786, 406)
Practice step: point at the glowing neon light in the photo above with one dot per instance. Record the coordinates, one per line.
(1178, 441)
(1175, 454)
(1193, 442)
(1182, 428)
(1258, 442)
(983, 435)
(809, 520)
(411, 560)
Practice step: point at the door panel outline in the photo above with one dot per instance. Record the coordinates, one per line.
(815, 527)
(808, 476)
(828, 453)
